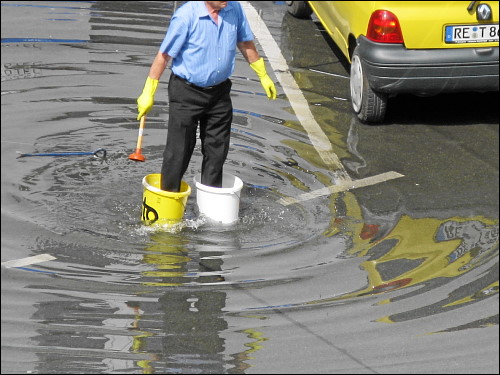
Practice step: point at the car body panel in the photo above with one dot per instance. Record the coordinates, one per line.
(424, 64)
(422, 47)
(422, 22)
(393, 69)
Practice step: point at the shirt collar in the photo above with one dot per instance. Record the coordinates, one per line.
(202, 11)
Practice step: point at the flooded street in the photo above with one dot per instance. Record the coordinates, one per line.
(358, 249)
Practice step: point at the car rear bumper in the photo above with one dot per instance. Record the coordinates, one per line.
(391, 68)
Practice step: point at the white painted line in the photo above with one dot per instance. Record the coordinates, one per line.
(28, 261)
(301, 108)
(345, 186)
(328, 74)
(297, 100)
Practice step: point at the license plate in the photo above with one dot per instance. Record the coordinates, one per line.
(471, 33)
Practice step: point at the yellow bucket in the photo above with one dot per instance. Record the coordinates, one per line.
(164, 207)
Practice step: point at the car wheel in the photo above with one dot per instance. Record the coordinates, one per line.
(369, 105)
(299, 9)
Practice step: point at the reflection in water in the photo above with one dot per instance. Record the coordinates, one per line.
(177, 332)
(300, 288)
(406, 252)
(167, 325)
(240, 360)
(191, 319)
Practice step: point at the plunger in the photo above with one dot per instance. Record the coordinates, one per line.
(137, 156)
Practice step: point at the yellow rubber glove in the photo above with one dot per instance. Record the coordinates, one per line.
(146, 100)
(265, 81)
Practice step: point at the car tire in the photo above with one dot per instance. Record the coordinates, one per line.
(370, 106)
(299, 9)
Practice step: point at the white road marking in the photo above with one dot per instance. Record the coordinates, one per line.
(292, 90)
(328, 74)
(344, 186)
(28, 261)
(301, 108)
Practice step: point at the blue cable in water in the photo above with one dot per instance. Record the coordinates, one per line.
(99, 153)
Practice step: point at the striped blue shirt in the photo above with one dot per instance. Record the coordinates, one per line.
(202, 51)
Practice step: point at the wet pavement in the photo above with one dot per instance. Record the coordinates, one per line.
(359, 249)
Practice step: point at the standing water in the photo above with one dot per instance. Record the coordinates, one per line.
(306, 287)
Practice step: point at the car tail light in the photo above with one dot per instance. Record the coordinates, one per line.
(384, 27)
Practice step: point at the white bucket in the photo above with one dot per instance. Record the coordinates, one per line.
(222, 204)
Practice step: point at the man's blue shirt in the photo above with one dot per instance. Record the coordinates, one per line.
(202, 51)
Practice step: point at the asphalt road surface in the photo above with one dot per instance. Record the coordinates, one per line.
(359, 248)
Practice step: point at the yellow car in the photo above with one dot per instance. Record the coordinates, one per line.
(418, 47)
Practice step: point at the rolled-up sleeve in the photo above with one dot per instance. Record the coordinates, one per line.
(175, 38)
(244, 31)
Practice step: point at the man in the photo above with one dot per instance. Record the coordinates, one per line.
(201, 41)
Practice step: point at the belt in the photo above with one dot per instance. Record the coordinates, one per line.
(205, 88)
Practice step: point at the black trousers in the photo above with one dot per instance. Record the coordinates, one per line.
(191, 105)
